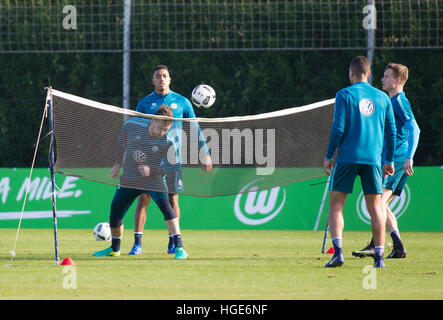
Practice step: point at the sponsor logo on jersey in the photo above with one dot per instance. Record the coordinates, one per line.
(366, 107)
(138, 156)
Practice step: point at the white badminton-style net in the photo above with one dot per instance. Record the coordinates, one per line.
(271, 149)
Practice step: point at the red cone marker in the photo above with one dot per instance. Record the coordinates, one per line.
(67, 262)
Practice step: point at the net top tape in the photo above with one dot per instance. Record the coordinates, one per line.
(129, 112)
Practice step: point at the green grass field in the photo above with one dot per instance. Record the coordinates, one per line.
(237, 265)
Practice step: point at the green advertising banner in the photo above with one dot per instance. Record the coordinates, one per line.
(300, 206)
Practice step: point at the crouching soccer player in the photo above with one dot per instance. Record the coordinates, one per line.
(143, 147)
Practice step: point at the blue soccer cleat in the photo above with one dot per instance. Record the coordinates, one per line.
(136, 250)
(336, 261)
(106, 253)
(180, 253)
(171, 249)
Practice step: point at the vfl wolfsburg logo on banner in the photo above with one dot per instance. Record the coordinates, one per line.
(258, 207)
(398, 205)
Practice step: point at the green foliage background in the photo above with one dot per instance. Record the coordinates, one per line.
(245, 82)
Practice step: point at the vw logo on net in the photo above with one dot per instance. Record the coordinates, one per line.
(398, 205)
(253, 207)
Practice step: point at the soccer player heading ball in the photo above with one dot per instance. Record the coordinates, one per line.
(142, 146)
(181, 108)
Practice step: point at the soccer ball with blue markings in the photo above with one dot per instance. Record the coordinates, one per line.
(102, 232)
(203, 96)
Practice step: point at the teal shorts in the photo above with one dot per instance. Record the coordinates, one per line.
(344, 174)
(398, 181)
(174, 181)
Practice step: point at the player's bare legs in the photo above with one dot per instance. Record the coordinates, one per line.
(335, 219)
(173, 200)
(175, 245)
(140, 212)
(139, 222)
(377, 210)
(336, 224)
(391, 221)
(391, 226)
(173, 226)
(398, 251)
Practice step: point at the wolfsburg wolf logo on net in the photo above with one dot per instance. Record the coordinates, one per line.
(259, 206)
(398, 205)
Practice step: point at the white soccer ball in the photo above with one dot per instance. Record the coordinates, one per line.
(203, 96)
(102, 232)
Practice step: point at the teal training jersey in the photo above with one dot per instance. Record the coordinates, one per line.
(363, 116)
(402, 112)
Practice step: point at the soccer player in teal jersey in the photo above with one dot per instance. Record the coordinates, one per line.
(363, 116)
(181, 108)
(408, 132)
(142, 148)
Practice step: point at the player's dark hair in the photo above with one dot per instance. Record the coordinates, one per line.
(399, 71)
(164, 110)
(160, 67)
(360, 65)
